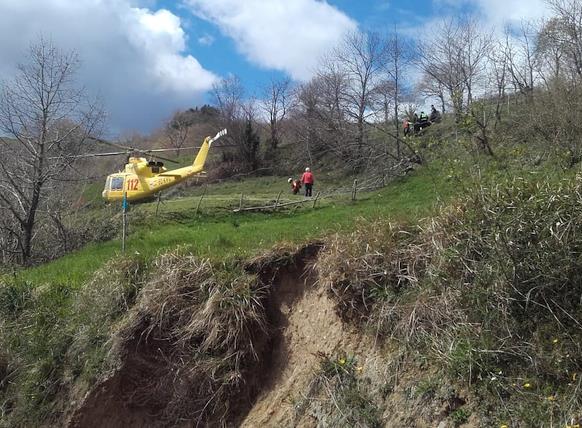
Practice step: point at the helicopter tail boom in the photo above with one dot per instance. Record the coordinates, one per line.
(201, 156)
(198, 164)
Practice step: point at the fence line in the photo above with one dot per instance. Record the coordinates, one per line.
(371, 183)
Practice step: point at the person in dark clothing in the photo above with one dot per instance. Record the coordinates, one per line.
(295, 185)
(421, 123)
(307, 180)
(435, 116)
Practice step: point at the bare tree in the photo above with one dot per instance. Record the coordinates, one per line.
(549, 53)
(239, 116)
(306, 118)
(433, 88)
(439, 62)
(45, 118)
(397, 57)
(498, 60)
(361, 57)
(177, 130)
(228, 97)
(276, 103)
(567, 32)
(521, 59)
(455, 59)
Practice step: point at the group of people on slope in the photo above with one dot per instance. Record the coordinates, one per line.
(306, 180)
(422, 121)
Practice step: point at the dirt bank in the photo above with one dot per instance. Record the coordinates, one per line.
(280, 387)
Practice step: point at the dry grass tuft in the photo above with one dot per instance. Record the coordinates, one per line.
(201, 329)
(369, 271)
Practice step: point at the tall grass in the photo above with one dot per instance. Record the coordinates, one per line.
(490, 289)
(52, 334)
(209, 323)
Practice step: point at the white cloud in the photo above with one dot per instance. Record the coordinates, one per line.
(499, 13)
(134, 58)
(283, 35)
(206, 40)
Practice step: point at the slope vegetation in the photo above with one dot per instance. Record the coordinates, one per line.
(392, 313)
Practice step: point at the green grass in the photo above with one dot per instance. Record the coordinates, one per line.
(217, 232)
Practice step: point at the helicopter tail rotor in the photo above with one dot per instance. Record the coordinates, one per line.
(217, 136)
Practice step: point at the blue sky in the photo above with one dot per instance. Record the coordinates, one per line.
(146, 59)
(223, 58)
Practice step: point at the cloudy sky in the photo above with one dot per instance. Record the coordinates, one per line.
(148, 58)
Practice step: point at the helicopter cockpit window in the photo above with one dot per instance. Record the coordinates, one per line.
(154, 167)
(116, 183)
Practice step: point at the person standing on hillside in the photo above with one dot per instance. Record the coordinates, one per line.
(307, 180)
(435, 115)
(406, 126)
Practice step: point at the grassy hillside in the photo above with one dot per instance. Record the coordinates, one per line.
(392, 275)
(217, 232)
(52, 324)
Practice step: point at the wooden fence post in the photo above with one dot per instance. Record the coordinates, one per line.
(315, 200)
(277, 201)
(355, 189)
(240, 205)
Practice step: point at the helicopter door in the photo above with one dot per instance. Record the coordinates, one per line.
(117, 184)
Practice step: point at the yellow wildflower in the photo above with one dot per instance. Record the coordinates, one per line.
(555, 341)
(342, 361)
(527, 385)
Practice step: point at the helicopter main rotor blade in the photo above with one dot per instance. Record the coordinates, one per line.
(172, 150)
(147, 152)
(109, 143)
(186, 148)
(88, 155)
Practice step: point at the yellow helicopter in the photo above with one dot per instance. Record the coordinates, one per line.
(142, 179)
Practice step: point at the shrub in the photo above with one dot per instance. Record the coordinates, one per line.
(490, 288)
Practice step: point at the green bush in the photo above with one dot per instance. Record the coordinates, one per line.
(490, 288)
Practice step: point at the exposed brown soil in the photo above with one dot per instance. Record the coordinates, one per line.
(306, 324)
(134, 395)
(303, 325)
(128, 397)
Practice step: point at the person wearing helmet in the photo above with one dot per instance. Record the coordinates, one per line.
(307, 180)
(295, 185)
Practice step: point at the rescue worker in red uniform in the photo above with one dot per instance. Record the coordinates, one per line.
(406, 126)
(295, 185)
(307, 180)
